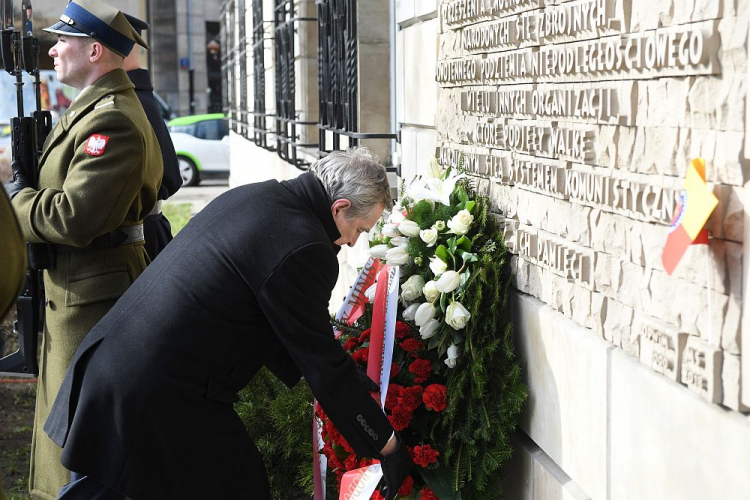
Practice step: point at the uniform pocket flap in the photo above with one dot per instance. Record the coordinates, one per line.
(88, 289)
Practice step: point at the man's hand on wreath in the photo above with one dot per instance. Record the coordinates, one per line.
(396, 467)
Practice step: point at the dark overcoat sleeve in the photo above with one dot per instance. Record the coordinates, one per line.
(172, 181)
(294, 299)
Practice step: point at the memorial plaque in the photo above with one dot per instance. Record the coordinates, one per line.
(581, 117)
(661, 346)
(701, 369)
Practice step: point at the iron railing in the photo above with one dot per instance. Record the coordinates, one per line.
(262, 130)
(338, 78)
(288, 123)
(242, 113)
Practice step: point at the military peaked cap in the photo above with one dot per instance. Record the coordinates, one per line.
(100, 21)
(136, 23)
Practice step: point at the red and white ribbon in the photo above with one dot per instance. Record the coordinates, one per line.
(349, 312)
(383, 330)
(361, 483)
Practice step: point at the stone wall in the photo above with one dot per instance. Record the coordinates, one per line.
(579, 119)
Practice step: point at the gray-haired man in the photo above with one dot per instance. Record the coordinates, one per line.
(146, 406)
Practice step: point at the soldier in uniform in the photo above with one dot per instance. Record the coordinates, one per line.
(12, 265)
(156, 228)
(99, 175)
(245, 284)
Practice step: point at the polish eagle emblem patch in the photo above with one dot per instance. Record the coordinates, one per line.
(96, 144)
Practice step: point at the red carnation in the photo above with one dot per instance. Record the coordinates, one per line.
(402, 330)
(365, 336)
(425, 455)
(377, 496)
(395, 370)
(406, 487)
(350, 344)
(434, 397)
(411, 397)
(400, 418)
(336, 464)
(328, 450)
(412, 346)
(427, 494)
(351, 462)
(421, 368)
(394, 394)
(361, 355)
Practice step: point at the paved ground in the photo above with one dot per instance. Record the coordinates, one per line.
(200, 195)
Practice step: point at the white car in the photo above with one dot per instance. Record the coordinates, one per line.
(202, 146)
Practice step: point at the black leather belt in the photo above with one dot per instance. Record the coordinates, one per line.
(118, 237)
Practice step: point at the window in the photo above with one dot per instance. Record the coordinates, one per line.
(210, 130)
(185, 129)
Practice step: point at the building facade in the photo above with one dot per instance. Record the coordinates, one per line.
(185, 46)
(580, 120)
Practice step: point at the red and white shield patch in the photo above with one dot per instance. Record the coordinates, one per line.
(96, 144)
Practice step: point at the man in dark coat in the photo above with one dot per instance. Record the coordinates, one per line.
(146, 406)
(156, 228)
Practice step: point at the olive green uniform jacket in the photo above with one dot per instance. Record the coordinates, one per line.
(88, 186)
(12, 267)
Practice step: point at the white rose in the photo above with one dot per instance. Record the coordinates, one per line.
(430, 291)
(424, 313)
(437, 266)
(429, 330)
(461, 222)
(439, 225)
(397, 256)
(396, 217)
(379, 251)
(399, 241)
(429, 236)
(449, 281)
(409, 312)
(409, 228)
(452, 356)
(390, 230)
(412, 288)
(370, 292)
(457, 315)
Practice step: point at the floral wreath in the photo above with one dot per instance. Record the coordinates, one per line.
(455, 388)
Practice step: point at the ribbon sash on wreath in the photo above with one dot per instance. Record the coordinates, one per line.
(362, 482)
(351, 310)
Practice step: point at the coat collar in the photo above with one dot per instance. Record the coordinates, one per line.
(310, 191)
(113, 82)
(141, 79)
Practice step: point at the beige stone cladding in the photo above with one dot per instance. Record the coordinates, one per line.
(579, 119)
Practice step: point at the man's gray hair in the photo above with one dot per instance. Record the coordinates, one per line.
(354, 175)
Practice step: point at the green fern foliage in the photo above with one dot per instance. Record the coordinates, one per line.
(485, 390)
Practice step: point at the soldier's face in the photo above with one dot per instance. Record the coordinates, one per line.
(71, 59)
